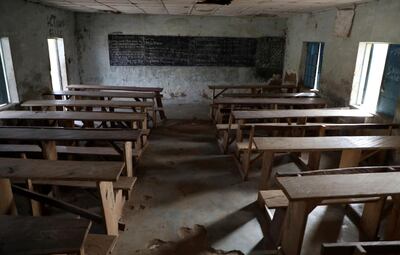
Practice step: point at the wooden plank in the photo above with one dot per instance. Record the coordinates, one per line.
(109, 207)
(332, 143)
(42, 235)
(69, 115)
(274, 95)
(87, 103)
(269, 101)
(109, 87)
(65, 134)
(7, 203)
(323, 187)
(300, 113)
(36, 169)
(263, 86)
(109, 94)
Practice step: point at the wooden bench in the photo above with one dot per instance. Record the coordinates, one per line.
(22, 235)
(48, 137)
(27, 235)
(361, 248)
(351, 148)
(103, 174)
(134, 120)
(224, 106)
(274, 95)
(92, 105)
(306, 192)
(274, 202)
(253, 87)
(244, 155)
(156, 90)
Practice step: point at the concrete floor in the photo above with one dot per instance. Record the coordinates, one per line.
(184, 180)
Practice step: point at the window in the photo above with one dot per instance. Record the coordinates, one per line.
(313, 64)
(370, 68)
(8, 87)
(58, 70)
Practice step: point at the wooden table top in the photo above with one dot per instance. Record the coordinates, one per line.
(340, 186)
(120, 94)
(326, 143)
(70, 115)
(264, 101)
(274, 95)
(108, 87)
(87, 103)
(300, 113)
(27, 235)
(59, 170)
(67, 134)
(253, 86)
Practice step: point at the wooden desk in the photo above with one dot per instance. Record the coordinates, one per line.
(307, 192)
(272, 103)
(25, 235)
(102, 173)
(301, 113)
(48, 137)
(89, 103)
(274, 95)
(252, 87)
(57, 116)
(156, 90)
(101, 94)
(351, 147)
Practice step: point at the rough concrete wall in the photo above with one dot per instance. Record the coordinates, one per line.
(373, 22)
(182, 85)
(28, 26)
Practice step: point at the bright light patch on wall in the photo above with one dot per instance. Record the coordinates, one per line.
(368, 75)
(58, 68)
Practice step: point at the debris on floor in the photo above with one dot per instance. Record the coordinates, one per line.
(192, 242)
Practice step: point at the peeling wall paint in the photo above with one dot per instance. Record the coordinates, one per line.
(373, 22)
(28, 26)
(182, 85)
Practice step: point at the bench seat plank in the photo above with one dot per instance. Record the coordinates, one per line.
(322, 187)
(70, 115)
(112, 87)
(36, 169)
(119, 94)
(331, 143)
(124, 183)
(87, 103)
(65, 134)
(42, 235)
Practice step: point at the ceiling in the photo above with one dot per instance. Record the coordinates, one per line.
(193, 7)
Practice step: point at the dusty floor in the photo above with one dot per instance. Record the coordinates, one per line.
(184, 180)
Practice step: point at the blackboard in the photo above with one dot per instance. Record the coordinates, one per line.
(143, 50)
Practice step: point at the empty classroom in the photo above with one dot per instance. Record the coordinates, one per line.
(199, 127)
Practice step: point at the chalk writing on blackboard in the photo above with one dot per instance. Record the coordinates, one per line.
(142, 50)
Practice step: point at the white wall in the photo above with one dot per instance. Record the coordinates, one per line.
(373, 22)
(28, 26)
(181, 84)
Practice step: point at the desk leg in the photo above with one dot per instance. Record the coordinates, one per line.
(294, 227)
(239, 133)
(350, 158)
(266, 169)
(371, 218)
(392, 227)
(7, 203)
(128, 158)
(160, 106)
(49, 150)
(109, 208)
